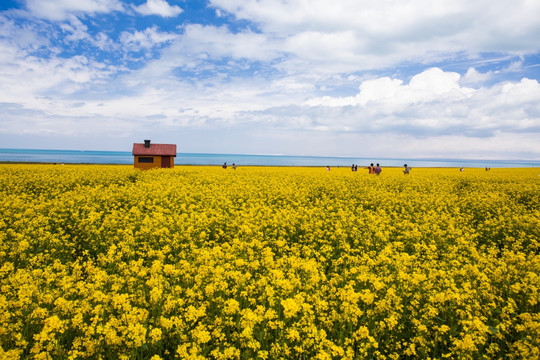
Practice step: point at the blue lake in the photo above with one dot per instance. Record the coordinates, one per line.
(125, 157)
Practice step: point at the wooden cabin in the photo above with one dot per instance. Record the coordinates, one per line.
(151, 156)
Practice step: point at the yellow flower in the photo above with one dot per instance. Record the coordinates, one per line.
(155, 335)
(231, 307)
(202, 335)
(290, 307)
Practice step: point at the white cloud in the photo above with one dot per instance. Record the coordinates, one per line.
(430, 85)
(76, 29)
(32, 81)
(219, 42)
(62, 9)
(16, 38)
(158, 7)
(146, 39)
(514, 66)
(433, 105)
(321, 15)
(359, 35)
(473, 77)
(210, 48)
(435, 81)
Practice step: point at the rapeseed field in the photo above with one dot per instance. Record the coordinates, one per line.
(109, 262)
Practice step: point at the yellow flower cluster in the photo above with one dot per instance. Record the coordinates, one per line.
(109, 262)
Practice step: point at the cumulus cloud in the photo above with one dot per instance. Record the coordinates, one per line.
(158, 7)
(61, 9)
(430, 85)
(474, 77)
(434, 103)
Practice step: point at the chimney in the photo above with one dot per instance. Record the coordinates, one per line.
(146, 143)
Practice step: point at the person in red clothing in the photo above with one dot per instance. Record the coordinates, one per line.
(371, 169)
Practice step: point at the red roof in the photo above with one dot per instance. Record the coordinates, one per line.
(154, 149)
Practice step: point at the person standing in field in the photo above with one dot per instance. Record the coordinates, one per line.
(371, 169)
(224, 165)
(407, 169)
(378, 169)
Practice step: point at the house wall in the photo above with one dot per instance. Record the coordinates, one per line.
(146, 166)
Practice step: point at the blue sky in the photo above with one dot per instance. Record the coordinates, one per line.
(412, 78)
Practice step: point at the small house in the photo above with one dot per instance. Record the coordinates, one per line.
(151, 156)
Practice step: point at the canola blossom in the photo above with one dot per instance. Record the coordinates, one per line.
(109, 262)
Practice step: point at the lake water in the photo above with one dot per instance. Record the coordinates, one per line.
(125, 157)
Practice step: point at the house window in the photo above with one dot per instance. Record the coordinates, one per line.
(147, 160)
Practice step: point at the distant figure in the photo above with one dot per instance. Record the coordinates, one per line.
(224, 165)
(328, 168)
(371, 169)
(352, 167)
(378, 169)
(407, 169)
(462, 169)
(355, 167)
(234, 166)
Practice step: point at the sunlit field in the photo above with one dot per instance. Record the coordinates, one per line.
(109, 262)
